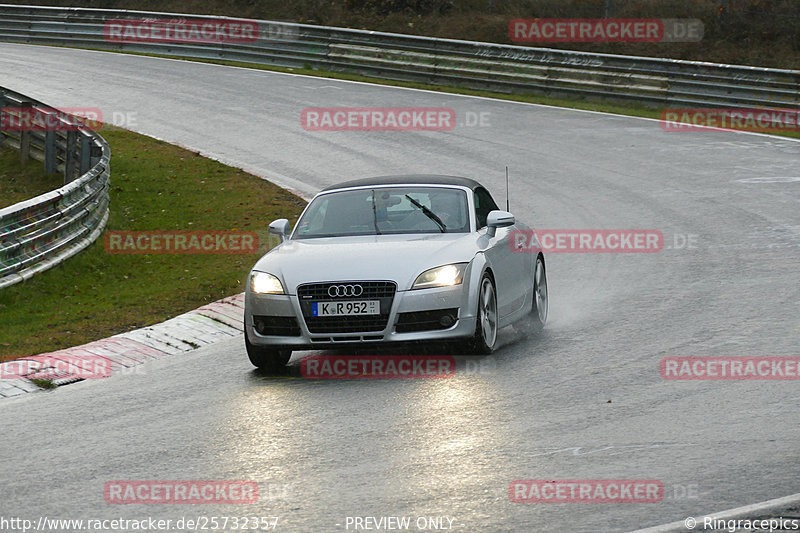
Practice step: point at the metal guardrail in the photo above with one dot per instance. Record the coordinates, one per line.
(496, 67)
(40, 233)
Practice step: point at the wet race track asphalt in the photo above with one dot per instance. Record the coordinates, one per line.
(583, 400)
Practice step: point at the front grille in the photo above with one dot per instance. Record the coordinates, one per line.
(371, 290)
(426, 320)
(284, 326)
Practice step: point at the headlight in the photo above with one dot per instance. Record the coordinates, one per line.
(443, 276)
(263, 283)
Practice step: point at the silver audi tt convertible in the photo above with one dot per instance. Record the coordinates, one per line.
(393, 259)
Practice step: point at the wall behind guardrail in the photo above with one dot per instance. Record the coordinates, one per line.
(40, 233)
(496, 67)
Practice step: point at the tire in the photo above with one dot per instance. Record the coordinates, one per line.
(485, 338)
(267, 359)
(535, 320)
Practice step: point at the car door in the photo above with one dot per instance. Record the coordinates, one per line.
(508, 266)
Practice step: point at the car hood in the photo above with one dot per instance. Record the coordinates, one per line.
(400, 258)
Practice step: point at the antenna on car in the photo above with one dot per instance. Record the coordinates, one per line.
(507, 207)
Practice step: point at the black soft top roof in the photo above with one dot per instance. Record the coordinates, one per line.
(416, 179)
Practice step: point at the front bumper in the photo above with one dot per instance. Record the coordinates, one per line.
(409, 310)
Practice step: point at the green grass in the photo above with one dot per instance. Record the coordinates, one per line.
(21, 181)
(44, 383)
(154, 186)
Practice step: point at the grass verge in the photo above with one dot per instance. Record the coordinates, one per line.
(21, 181)
(154, 186)
(46, 384)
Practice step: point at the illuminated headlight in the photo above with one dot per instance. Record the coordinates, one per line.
(443, 276)
(263, 283)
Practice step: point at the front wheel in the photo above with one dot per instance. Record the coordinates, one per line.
(266, 358)
(485, 338)
(540, 304)
(537, 318)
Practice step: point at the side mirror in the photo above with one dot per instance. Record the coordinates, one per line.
(498, 219)
(280, 228)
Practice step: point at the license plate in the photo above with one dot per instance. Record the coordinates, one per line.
(364, 307)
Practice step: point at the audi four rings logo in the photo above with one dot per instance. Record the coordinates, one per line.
(338, 291)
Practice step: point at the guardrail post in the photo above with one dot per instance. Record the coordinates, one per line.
(86, 153)
(609, 9)
(50, 152)
(2, 106)
(69, 156)
(25, 132)
(96, 153)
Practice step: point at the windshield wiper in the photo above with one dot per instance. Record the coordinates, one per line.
(375, 214)
(428, 213)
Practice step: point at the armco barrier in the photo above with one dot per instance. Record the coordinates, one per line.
(496, 67)
(44, 231)
(41, 232)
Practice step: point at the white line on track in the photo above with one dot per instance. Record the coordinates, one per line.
(431, 91)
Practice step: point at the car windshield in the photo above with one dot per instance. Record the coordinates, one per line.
(385, 210)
